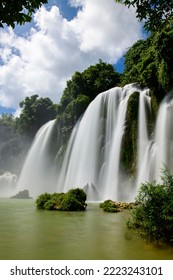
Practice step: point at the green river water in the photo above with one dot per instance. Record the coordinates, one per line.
(27, 233)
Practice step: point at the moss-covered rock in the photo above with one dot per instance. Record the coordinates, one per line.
(129, 145)
(114, 206)
(73, 200)
(109, 206)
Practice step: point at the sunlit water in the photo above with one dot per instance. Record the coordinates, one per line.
(29, 233)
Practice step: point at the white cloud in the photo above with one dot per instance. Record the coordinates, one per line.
(43, 60)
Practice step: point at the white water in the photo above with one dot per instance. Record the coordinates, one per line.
(92, 157)
(93, 152)
(8, 184)
(164, 136)
(158, 150)
(37, 173)
(143, 155)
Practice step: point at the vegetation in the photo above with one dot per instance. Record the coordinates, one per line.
(73, 200)
(35, 112)
(153, 217)
(154, 12)
(148, 62)
(16, 11)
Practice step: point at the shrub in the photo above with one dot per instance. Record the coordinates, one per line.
(153, 217)
(42, 199)
(73, 200)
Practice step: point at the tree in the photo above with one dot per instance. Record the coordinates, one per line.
(153, 12)
(19, 11)
(35, 112)
(153, 217)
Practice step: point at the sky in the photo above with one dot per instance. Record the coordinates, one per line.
(64, 36)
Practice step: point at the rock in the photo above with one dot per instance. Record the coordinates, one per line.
(116, 206)
(22, 194)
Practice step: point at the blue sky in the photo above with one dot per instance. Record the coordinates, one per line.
(64, 37)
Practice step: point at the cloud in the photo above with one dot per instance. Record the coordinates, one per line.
(43, 59)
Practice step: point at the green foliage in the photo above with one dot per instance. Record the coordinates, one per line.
(109, 206)
(153, 217)
(18, 11)
(154, 12)
(148, 62)
(42, 200)
(73, 200)
(35, 112)
(54, 201)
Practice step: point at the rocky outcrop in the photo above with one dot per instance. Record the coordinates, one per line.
(114, 206)
(22, 194)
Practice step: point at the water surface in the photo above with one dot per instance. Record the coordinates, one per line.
(29, 233)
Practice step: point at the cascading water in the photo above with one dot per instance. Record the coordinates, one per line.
(38, 174)
(93, 154)
(164, 136)
(144, 142)
(8, 184)
(157, 151)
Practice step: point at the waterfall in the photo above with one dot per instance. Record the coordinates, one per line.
(164, 136)
(155, 153)
(37, 172)
(144, 142)
(93, 152)
(92, 159)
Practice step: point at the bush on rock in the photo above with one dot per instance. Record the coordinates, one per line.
(73, 200)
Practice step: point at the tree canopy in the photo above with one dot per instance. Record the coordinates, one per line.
(153, 12)
(18, 11)
(35, 112)
(149, 62)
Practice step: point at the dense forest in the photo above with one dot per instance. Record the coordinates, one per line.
(148, 63)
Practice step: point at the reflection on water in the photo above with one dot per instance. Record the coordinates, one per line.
(29, 233)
